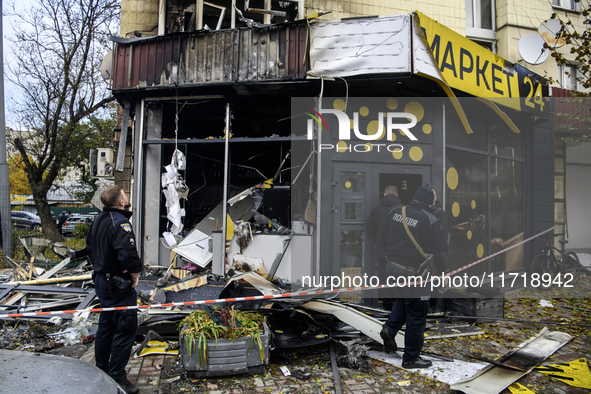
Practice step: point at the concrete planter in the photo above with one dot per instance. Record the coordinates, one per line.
(227, 358)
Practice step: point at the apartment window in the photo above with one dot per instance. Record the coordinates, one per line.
(567, 77)
(480, 19)
(567, 4)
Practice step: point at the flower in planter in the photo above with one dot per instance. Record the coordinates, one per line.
(215, 323)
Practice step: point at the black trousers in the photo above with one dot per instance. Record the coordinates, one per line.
(116, 331)
(411, 311)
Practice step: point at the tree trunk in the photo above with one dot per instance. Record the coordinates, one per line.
(48, 224)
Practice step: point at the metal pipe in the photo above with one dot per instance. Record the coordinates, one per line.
(53, 280)
(226, 182)
(233, 15)
(162, 18)
(5, 209)
(335, 369)
(319, 186)
(199, 15)
(123, 136)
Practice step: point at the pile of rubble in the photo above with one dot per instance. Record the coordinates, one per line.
(54, 306)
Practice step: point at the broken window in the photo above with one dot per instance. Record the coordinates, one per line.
(181, 15)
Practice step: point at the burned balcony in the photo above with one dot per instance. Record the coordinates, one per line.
(266, 54)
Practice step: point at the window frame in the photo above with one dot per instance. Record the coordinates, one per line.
(573, 6)
(562, 77)
(476, 32)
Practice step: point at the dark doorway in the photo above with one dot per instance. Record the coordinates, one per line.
(407, 184)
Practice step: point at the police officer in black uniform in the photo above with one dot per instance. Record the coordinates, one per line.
(111, 244)
(376, 218)
(403, 261)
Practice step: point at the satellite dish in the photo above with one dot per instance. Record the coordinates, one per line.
(107, 67)
(548, 30)
(531, 48)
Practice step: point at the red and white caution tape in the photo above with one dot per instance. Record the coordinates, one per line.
(216, 301)
(254, 298)
(499, 252)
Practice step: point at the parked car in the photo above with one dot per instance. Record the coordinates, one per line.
(26, 219)
(70, 224)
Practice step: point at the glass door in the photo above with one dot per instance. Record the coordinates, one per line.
(357, 190)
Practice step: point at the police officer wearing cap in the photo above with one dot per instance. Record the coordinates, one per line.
(404, 260)
(111, 245)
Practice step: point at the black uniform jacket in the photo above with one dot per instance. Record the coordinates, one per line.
(111, 243)
(380, 213)
(423, 225)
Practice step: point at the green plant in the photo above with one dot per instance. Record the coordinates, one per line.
(215, 323)
(81, 230)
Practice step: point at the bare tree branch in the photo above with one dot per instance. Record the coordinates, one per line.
(58, 47)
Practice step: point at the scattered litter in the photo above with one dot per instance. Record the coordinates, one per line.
(301, 375)
(56, 320)
(544, 303)
(403, 383)
(78, 329)
(244, 263)
(294, 328)
(574, 373)
(171, 380)
(258, 282)
(354, 356)
(366, 324)
(169, 238)
(158, 347)
(285, 370)
(174, 189)
(443, 371)
(196, 247)
(154, 344)
(188, 284)
(517, 388)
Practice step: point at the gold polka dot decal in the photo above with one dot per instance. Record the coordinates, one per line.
(339, 104)
(452, 178)
(348, 184)
(473, 204)
(416, 109)
(363, 111)
(341, 146)
(368, 147)
(469, 234)
(415, 153)
(397, 154)
(392, 103)
(427, 129)
(480, 250)
(455, 209)
(372, 129)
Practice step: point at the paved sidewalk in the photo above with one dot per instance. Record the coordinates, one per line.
(144, 372)
(163, 375)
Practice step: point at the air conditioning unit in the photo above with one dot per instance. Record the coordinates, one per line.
(102, 162)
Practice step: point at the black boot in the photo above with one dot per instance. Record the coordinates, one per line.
(128, 386)
(389, 340)
(416, 363)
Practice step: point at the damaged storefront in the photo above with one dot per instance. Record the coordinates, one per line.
(257, 154)
(259, 110)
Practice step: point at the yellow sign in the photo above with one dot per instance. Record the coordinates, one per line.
(468, 67)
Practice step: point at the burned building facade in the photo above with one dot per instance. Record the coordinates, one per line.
(332, 112)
